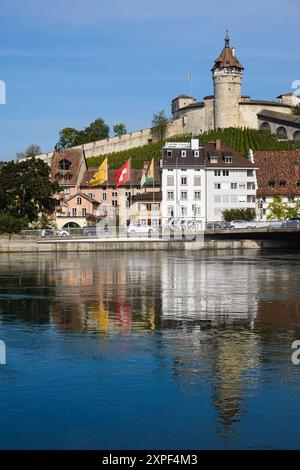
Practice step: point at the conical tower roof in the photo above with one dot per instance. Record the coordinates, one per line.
(227, 57)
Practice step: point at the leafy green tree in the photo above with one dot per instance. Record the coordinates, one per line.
(31, 151)
(68, 137)
(9, 224)
(120, 129)
(160, 125)
(26, 190)
(296, 110)
(238, 214)
(97, 130)
(279, 210)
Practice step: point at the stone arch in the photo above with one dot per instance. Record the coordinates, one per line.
(71, 225)
(281, 132)
(265, 127)
(296, 135)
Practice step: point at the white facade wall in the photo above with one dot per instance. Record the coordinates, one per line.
(184, 205)
(226, 197)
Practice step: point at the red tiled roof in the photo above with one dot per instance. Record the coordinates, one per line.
(67, 177)
(282, 168)
(150, 196)
(227, 59)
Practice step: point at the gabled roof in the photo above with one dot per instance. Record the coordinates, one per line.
(67, 177)
(85, 196)
(279, 117)
(282, 168)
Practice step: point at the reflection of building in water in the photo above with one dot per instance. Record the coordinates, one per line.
(106, 292)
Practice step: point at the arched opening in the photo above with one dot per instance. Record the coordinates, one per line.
(71, 225)
(265, 127)
(281, 132)
(296, 135)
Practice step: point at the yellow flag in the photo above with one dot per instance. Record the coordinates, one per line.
(150, 174)
(101, 175)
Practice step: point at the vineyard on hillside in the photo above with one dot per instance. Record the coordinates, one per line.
(240, 139)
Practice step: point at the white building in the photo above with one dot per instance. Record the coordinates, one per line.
(183, 184)
(199, 182)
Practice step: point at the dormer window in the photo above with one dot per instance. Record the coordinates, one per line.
(272, 183)
(169, 153)
(65, 164)
(228, 159)
(282, 183)
(214, 159)
(183, 153)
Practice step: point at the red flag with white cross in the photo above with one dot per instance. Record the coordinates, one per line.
(123, 174)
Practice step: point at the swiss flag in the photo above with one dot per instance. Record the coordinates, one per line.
(123, 174)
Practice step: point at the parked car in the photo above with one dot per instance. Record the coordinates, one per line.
(94, 229)
(242, 224)
(50, 232)
(137, 228)
(293, 222)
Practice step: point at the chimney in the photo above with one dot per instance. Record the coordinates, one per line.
(218, 144)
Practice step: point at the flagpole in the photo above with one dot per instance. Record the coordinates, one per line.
(153, 187)
(130, 199)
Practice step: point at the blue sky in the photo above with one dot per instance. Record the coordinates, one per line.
(67, 62)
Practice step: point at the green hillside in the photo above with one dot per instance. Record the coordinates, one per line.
(237, 138)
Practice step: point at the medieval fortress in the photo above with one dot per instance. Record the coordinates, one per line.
(227, 107)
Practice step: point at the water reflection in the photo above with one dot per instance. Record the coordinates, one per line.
(218, 318)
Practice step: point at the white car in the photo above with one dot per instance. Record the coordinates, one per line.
(49, 232)
(242, 224)
(137, 228)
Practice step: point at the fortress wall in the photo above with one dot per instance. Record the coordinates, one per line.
(194, 121)
(209, 114)
(124, 142)
(248, 113)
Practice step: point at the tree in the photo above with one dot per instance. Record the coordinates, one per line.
(70, 137)
(296, 110)
(160, 124)
(120, 129)
(279, 210)
(238, 214)
(97, 130)
(31, 151)
(26, 190)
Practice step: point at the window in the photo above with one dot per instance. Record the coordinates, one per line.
(250, 173)
(143, 222)
(183, 211)
(217, 185)
(183, 195)
(282, 183)
(114, 203)
(74, 212)
(65, 164)
(66, 190)
(104, 196)
(183, 180)
(217, 198)
(214, 159)
(183, 153)
(169, 153)
(127, 194)
(251, 199)
(197, 195)
(225, 198)
(217, 172)
(142, 206)
(298, 183)
(155, 206)
(197, 210)
(242, 186)
(170, 195)
(83, 212)
(197, 180)
(228, 159)
(196, 153)
(250, 186)
(281, 132)
(170, 211)
(225, 172)
(170, 180)
(91, 195)
(79, 201)
(265, 127)
(114, 194)
(233, 185)
(272, 183)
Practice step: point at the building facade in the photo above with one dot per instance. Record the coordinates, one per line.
(200, 181)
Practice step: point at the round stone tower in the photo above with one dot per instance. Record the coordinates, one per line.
(227, 75)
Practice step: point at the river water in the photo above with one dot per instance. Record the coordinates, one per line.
(150, 350)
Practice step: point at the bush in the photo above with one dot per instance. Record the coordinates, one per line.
(238, 214)
(9, 224)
